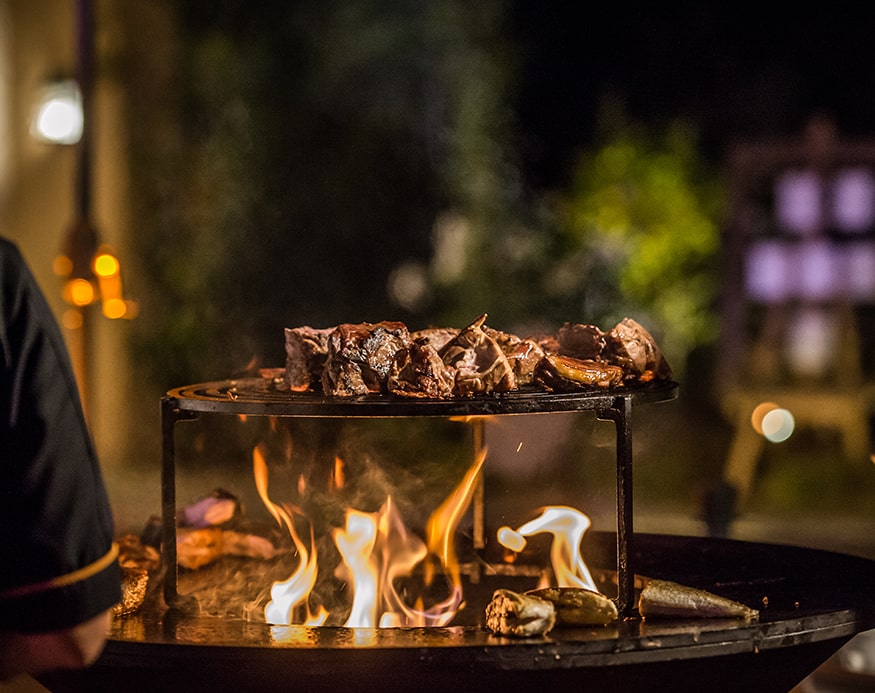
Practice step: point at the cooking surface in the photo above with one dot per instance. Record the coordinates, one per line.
(263, 396)
(804, 596)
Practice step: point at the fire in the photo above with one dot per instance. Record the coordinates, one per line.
(378, 555)
(287, 594)
(392, 576)
(567, 525)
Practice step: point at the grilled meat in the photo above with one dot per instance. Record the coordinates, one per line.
(631, 347)
(366, 358)
(418, 371)
(523, 355)
(306, 351)
(360, 357)
(580, 341)
(480, 364)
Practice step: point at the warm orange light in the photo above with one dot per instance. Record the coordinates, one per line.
(79, 292)
(759, 413)
(62, 266)
(72, 319)
(114, 308)
(106, 264)
(293, 592)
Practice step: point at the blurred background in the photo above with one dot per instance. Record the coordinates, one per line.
(244, 167)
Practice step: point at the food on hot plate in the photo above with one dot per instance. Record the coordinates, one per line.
(633, 348)
(306, 351)
(419, 371)
(196, 548)
(360, 357)
(445, 362)
(665, 599)
(480, 364)
(137, 561)
(519, 615)
(537, 612)
(558, 373)
(576, 606)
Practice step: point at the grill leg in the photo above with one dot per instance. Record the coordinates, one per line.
(170, 414)
(620, 413)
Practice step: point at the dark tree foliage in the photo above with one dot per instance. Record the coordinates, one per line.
(301, 151)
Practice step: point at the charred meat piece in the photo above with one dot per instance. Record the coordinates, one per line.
(665, 599)
(520, 615)
(632, 347)
(437, 337)
(480, 364)
(523, 354)
(360, 357)
(580, 341)
(418, 371)
(306, 351)
(566, 374)
(576, 606)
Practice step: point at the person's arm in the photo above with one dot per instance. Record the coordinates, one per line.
(60, 578)
(36, 653)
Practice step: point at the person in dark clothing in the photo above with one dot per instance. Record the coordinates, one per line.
(59, 577)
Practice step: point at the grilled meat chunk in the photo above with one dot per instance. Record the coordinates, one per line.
(418, 371)
(576, 606)
(523, 355)
(480, 364)
(520, 615)
(436, 336)
(580, 341)
(631, 347)
(306, 351)
(360, 357)
(665, 599)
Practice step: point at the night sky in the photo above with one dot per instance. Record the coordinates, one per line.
(734, 71)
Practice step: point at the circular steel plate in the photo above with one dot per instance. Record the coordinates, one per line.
(263, 396)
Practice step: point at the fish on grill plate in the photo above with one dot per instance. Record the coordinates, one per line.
(666, 599)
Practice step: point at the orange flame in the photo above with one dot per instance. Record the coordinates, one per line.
(287, 594)
(378, 553)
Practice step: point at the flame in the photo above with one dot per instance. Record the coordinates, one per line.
(338, 477)
(287, 594)
(356, 545)
(441, 526)
(567, 525)
(378, 555)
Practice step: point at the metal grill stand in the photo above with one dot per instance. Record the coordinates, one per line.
(259, 397)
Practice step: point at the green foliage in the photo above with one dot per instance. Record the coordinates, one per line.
(648, 209)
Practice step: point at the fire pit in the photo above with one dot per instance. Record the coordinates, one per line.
(810, 602)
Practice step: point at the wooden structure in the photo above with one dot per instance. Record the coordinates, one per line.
(800, 277)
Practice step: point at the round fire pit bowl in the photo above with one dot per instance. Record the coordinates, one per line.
(811, 602)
